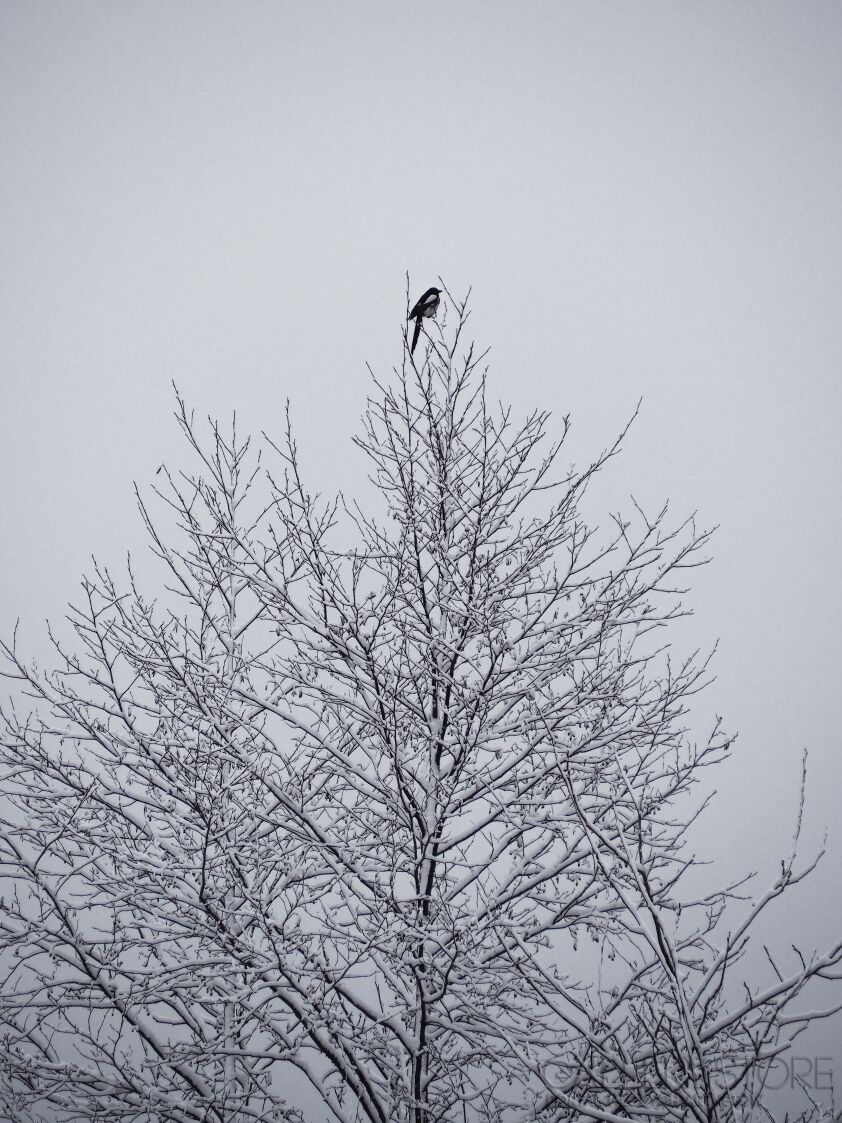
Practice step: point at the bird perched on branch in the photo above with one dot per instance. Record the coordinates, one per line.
(424, 308)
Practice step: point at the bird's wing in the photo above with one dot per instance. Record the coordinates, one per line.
(422, 301)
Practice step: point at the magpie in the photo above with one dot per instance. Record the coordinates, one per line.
(426, 307)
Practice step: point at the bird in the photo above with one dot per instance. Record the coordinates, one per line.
(425, 307)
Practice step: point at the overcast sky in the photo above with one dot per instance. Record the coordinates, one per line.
(646, 199)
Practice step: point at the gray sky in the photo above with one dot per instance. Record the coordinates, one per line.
(646, 198)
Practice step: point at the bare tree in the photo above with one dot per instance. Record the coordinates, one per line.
(385, 831)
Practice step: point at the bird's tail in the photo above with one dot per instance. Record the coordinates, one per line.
(415, 334)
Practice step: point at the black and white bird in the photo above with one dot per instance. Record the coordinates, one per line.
(425, 307)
